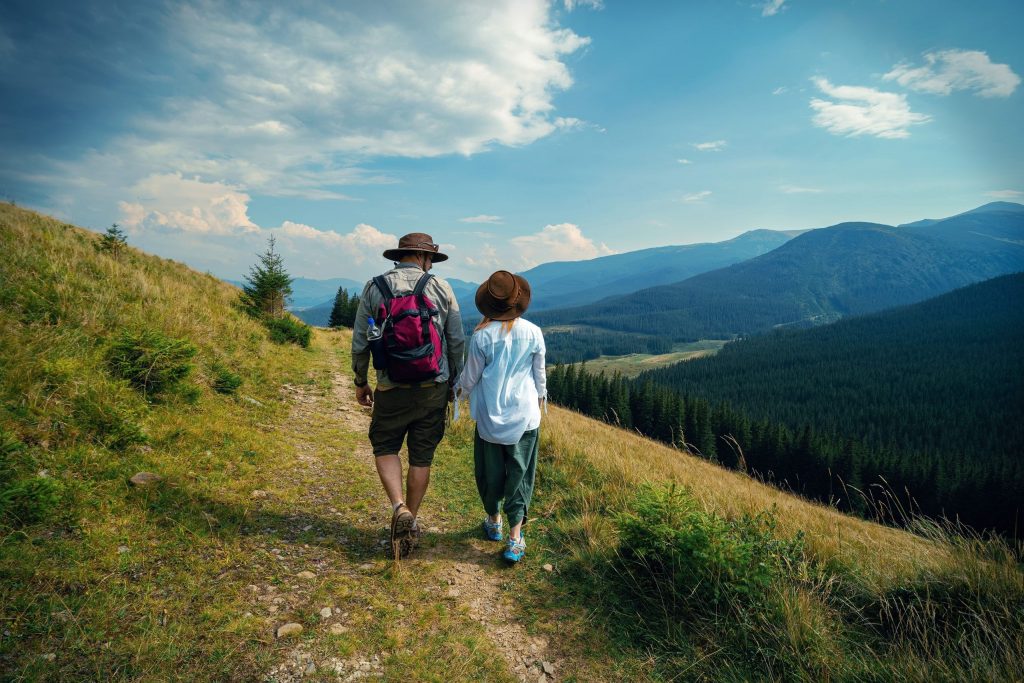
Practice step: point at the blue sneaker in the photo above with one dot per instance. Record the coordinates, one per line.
(492, 530)
(515, 549)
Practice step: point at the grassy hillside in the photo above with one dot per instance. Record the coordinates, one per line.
(269, 513)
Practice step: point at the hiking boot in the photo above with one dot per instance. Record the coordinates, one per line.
(402, 532)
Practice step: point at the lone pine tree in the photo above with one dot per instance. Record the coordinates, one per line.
(113, 241)
(267, 286)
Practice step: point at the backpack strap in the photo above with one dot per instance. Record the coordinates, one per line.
(421, 303)
(385, 291)
(421, 284)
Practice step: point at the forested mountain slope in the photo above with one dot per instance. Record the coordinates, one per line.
(818, 277)
(936, 387)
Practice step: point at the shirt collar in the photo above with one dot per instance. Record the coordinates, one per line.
(407, 265)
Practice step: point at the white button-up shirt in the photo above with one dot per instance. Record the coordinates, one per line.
(504, 378)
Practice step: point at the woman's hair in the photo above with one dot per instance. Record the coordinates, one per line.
(505, 324)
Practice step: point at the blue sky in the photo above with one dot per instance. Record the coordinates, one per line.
(514, 132)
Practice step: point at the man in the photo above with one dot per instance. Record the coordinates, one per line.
(415, 410)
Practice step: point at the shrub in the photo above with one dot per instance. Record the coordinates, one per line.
(150, 360)
(107, 422)
(30, 500)
(691, 562)
(25, 500)
(288, 329)
(225, 381)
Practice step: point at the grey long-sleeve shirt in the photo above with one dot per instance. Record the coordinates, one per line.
(402, 279)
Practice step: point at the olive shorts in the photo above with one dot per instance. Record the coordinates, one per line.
(418, 412)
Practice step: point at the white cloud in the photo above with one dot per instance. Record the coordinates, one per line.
(483, 261)
(771, 7)
(570, 5)
(561, 242)
(684, 161)
(948, 70)
(1004, 194)
(482, 218)
(714, 146)
(863, 111)
(208, 226)
(796, 189)
(171, 202)
(781, 89)
(696, 197)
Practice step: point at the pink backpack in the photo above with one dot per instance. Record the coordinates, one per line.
(409, 334)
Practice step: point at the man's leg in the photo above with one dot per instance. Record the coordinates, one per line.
(419, 479)
(389, 469)
(425, 433)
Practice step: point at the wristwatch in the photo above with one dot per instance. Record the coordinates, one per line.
(365, 382)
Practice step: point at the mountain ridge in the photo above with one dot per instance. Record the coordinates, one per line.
(819, 276)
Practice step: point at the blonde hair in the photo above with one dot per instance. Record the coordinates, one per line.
(505, 324)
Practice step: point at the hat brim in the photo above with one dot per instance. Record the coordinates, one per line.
(397, 254)
(490, 307)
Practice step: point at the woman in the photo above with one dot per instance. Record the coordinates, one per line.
(504, 378)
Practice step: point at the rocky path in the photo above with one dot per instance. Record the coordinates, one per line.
(337, 537)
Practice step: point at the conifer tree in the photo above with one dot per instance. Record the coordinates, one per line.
(267, 286)
(340, 310)
(114, 240)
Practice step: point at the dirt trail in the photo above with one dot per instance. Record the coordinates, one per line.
(470, 569)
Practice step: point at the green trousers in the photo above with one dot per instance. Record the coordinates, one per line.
(507, 472)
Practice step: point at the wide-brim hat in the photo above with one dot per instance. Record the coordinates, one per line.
(504, 296)
(416, 241)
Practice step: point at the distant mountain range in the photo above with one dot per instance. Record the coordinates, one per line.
(573, 283)
(820, 276)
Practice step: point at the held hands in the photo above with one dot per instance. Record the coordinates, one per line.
(364, 395)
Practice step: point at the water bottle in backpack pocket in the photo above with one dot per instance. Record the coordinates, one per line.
(409, 342)
(374, 336)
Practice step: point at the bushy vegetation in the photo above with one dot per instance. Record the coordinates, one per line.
(289, 330)
(151, 361)
(688, 563)
(24, 499)
(225, 381)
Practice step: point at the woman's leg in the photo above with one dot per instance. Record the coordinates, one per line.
(520, 474)
(489, 469)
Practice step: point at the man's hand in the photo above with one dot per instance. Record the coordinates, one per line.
(364, 395)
